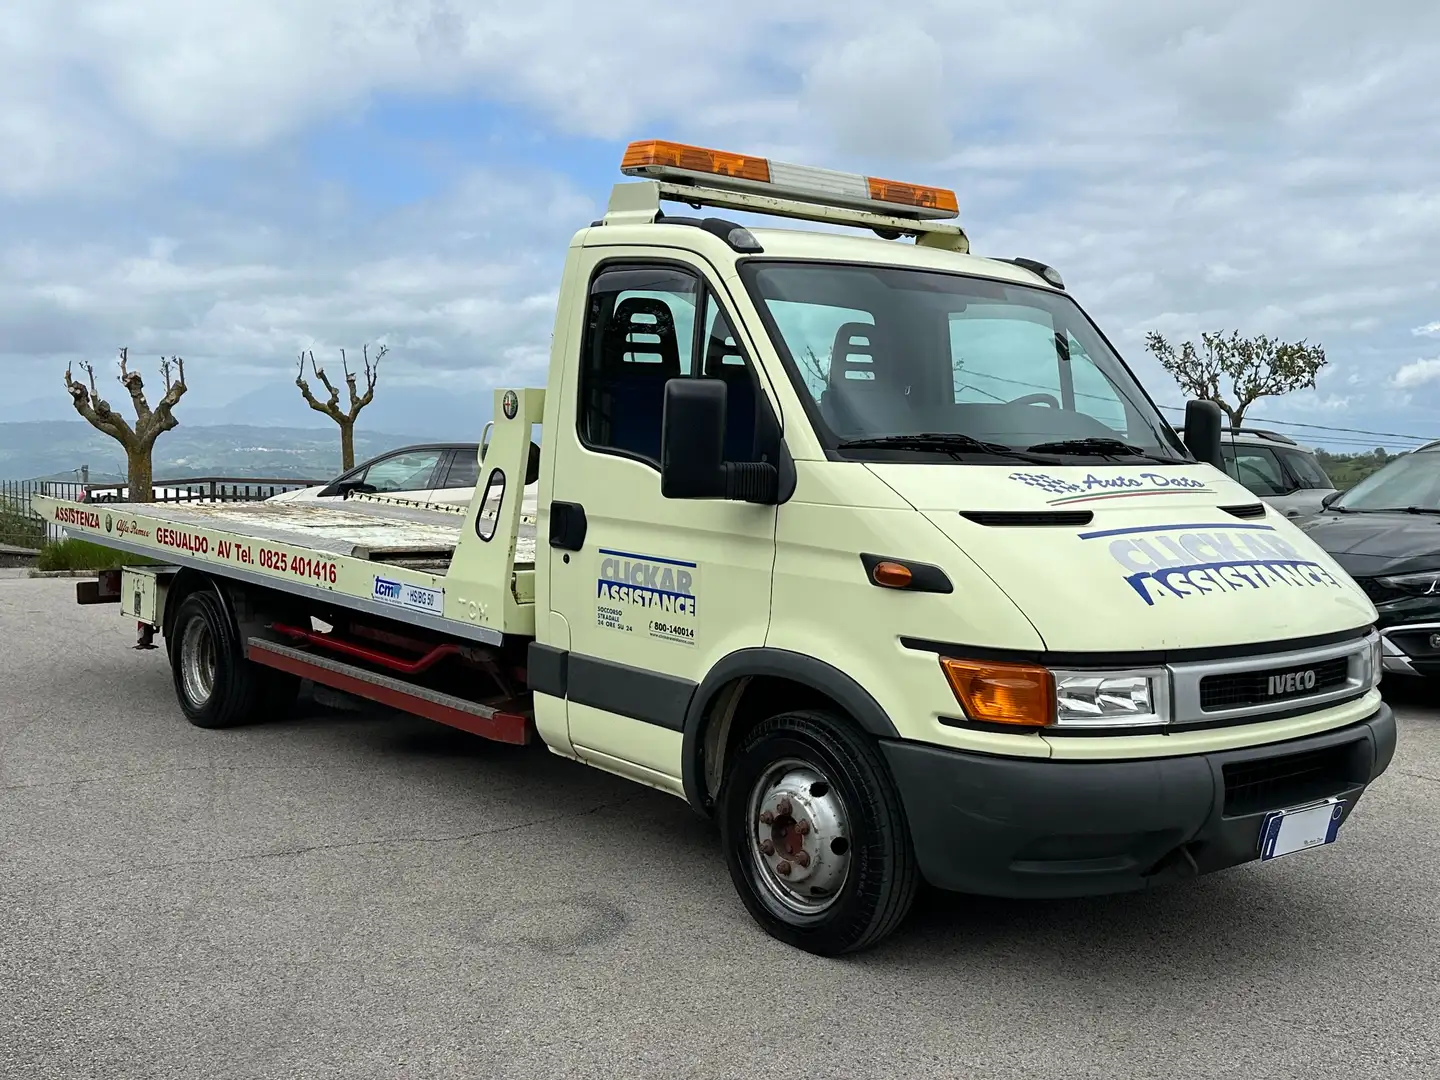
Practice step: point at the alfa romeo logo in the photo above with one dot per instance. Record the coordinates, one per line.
(511, 404)
(109, 523)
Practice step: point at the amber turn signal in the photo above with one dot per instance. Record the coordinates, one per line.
(1020, 695)
(892, 575)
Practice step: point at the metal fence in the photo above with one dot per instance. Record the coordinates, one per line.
(20, 527)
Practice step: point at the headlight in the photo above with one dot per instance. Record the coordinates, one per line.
(1425, 583)
(1112, 699)
(1029, 696)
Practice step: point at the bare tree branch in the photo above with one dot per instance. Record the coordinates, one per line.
(372, 372)
(95, 409)
(163, 418)
(331, 407)
(135, 386)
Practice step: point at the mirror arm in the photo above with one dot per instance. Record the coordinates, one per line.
(752, 482)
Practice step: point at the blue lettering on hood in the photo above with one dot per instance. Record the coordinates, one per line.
(1181, 561)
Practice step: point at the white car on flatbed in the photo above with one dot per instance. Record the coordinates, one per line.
(873, 552)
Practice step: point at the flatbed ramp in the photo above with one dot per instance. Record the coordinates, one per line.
(385, 557)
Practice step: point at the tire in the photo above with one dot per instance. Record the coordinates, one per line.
(214, 683)
(816, 791)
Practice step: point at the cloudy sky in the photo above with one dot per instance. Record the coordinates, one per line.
(236, 180)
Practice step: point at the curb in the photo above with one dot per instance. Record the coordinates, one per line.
(62, 573)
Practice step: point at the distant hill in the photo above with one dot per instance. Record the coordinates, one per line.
(54, 448)
(437, 413)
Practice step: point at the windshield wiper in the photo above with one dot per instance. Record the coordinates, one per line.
(1421, 510)
(942, 442)
(1098, 447)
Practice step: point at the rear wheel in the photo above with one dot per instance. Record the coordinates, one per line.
(815, 834)
(216, 685)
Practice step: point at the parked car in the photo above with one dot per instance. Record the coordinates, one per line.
(1385, 533)
(442, 473)
(1283, 473)
(439, 472)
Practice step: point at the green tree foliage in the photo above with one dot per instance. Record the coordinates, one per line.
(1347, 470)
(1235, 372)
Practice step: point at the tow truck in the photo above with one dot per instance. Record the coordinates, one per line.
(870, 549)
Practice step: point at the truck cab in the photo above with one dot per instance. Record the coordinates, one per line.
(913, 495)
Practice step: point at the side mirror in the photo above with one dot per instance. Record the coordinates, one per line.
(1202, 432)
(1326, 502)
(692, 449)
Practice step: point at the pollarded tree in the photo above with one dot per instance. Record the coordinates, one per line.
(345, 417)
(1255, 368)
(138, 440)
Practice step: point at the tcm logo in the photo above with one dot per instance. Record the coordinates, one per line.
(1291, 682)
(386, 590)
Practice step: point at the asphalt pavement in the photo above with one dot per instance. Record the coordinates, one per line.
(355, 894)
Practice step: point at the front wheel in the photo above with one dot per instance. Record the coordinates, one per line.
(815, 834)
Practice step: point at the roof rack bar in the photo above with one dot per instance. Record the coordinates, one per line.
(637, 203)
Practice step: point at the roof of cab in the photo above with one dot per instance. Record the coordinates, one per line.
(853, 247)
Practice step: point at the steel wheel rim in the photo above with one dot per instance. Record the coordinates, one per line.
(197, 662)
(798, 837)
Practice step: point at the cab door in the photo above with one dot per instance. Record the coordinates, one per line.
(654, 590)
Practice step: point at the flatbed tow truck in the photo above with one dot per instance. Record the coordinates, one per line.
(873, 551)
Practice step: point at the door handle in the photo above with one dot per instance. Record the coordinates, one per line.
(567, 526)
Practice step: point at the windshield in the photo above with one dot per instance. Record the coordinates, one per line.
(889, 351)
(1409, 481)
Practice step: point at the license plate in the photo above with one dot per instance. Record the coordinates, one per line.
(1284, 832)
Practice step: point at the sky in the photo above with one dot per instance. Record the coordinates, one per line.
(238, 180)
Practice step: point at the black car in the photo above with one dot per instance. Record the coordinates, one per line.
(1385, 533)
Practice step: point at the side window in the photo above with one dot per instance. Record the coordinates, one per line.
(723, 359)
(1257, 468)
(464, 470)
(409, 471)
(639, 334)
(1306, 469)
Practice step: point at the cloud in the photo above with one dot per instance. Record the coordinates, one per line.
(1207, 164)
(1428, 330)
(1416, 373)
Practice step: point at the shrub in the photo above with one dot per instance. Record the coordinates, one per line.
(82, 555)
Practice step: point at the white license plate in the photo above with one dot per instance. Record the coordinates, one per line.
(1285, 832)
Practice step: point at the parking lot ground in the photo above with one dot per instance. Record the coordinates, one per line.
(354, 895)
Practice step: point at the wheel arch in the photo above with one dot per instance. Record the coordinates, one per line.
(747, 686)
(188, 582)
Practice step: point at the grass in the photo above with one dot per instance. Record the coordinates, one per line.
(20, 529)
(82, 555)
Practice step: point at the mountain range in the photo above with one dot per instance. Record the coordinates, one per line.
(266, 433)
(58, 449)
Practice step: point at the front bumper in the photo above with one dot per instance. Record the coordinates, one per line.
(1407, 648)
(1015, 828)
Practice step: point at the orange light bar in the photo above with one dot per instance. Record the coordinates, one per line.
(661, 159)
(1017, 695)
(929, 198)
(657, 152)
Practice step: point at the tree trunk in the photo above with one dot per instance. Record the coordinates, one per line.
(142, 476)
(347, 446)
